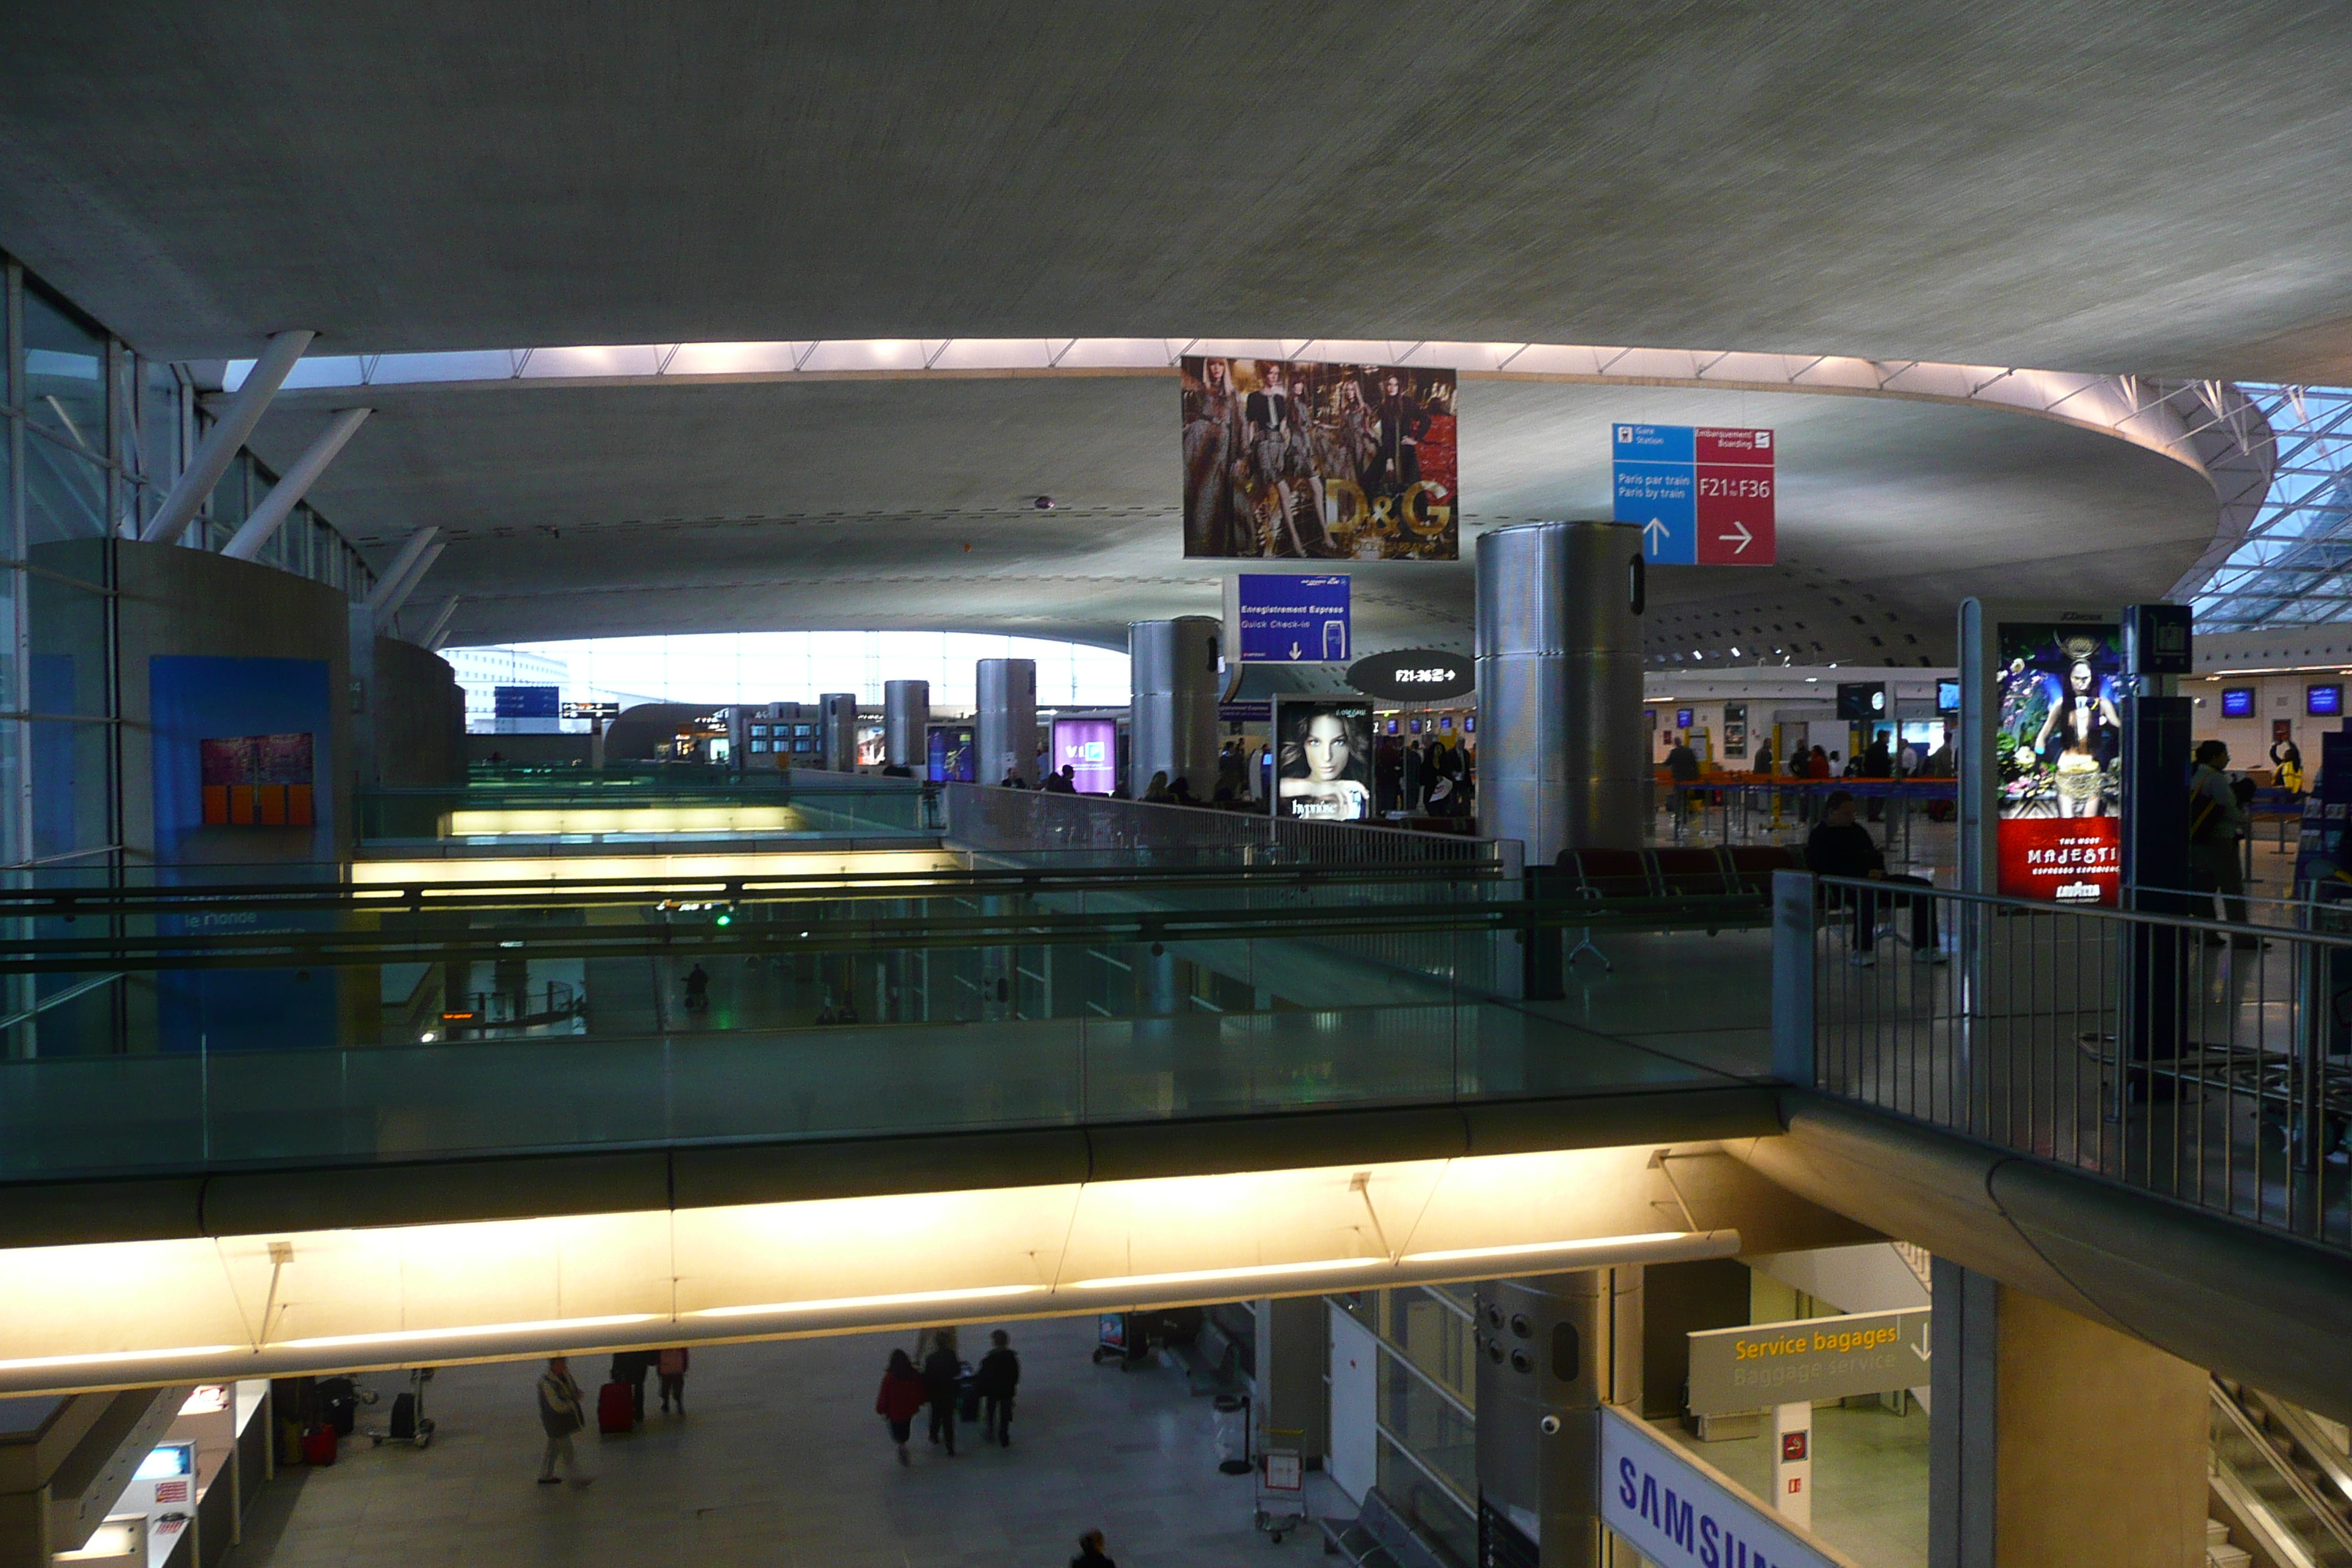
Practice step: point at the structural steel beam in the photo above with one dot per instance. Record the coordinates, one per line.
(395, 573)
(228, 433)
(278, 504)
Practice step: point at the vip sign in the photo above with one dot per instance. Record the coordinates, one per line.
(1701, 496)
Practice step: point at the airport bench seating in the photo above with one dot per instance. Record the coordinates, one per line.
(1711, 889)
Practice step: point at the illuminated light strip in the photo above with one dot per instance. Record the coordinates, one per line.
(36, 1362)
(337, 1341)
(1252, 1271)
(1527, 1248)
(908, 1299)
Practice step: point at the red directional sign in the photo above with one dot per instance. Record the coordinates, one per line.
(1734, 497)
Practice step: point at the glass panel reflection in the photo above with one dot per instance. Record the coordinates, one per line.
(65, 375)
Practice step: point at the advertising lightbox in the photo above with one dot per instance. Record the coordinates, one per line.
(1090, 749)
(1323, 769)
(2057, 748)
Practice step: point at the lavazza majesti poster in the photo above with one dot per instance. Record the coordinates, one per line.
(1293, 459)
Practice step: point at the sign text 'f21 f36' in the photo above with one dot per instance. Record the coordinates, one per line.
(1701, 496)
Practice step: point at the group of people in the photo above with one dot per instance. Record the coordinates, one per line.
(940, 1383)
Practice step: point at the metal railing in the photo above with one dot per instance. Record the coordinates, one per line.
(2198, 1060)
(991, 820)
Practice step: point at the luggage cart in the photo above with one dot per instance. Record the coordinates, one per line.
(1279, 1485)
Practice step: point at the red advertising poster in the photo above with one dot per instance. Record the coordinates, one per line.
(2057, 750)
(1734, 497)
(1299, 461)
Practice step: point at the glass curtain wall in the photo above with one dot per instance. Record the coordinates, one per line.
(1428, 1395)
(92, 436)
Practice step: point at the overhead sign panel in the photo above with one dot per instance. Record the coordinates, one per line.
(1302, 460)
(1733, 1369)
(527, 701)
(592, 709)
(1277, 618)
(1414, 675)
(1702, 496)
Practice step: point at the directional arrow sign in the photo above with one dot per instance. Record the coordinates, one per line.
(1703, 496)
(1279, 618)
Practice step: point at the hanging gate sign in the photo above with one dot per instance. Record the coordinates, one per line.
(1414, 675)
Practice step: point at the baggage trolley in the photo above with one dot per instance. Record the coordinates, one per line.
(1279, 1483)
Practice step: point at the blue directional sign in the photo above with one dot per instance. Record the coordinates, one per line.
(1282, 619)
(526, 701)
(1657, 489)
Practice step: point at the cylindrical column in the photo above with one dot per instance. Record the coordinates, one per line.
(1173, 667)
(1551, 1351)
(1560, 762)
(1005, 727)
(840, 750)
(906, 719)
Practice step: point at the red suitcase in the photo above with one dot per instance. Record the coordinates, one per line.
(617, 1409)
(319, 1444)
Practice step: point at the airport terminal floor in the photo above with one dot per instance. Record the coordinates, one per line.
(1581, 776)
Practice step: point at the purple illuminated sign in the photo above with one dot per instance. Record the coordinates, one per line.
(1090, 749)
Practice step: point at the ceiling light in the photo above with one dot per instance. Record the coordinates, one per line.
(843, 1303)
(1252, 1271)
(1527, 1248)
(34, 1362)
(337, 1341)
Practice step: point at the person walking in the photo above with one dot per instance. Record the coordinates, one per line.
(1682, 771)
(942, 1371)
(697, 997)
(900, 1397)
(1090, 1551)
(998, 1376)
(560, 1414)
(670, 1367)
(2217, 820)
(1841, 847)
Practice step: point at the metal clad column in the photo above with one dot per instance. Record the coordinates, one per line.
(906, 721)
(840, 709)
(1552, 1350)
(1174, 669)
(1560, 760)
(1006, 724)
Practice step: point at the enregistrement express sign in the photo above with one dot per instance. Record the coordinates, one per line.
(1295, 460)
(1761, 1364)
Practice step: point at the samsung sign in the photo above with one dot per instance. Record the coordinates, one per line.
(1414, 675)
(1677, 1516)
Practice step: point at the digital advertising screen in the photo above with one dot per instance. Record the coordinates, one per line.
(1090, 749)
(1323, 767)
(2056, 754)
(1297, 460)
(948, 754)
(2324, 701)
(1947, 697)
(2237, 703)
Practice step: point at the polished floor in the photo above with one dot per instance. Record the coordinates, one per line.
(1870, 1480)
(781, 1461)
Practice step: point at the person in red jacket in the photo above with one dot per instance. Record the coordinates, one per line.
(903, 1395)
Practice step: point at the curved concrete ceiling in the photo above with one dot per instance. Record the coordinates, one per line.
(884, 503)
(2088, 182)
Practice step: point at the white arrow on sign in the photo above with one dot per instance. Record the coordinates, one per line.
(1656, 540)
(1744, 537)
(1921, 1350)
(1294, 651)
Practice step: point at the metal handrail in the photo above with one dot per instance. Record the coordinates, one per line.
(2305, 1492)
(2200, 923)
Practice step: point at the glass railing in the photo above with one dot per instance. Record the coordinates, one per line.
(195, 1026)
(647, 807)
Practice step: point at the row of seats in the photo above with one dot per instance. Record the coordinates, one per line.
(1741, 871)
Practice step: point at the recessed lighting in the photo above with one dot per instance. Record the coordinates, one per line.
(1252, 1271)
(905, 1299)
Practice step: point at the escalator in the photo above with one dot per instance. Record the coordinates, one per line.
(2280, 1484)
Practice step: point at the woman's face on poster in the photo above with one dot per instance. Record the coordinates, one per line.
(1215, 374)
(1326, 747)
(2081, 678)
